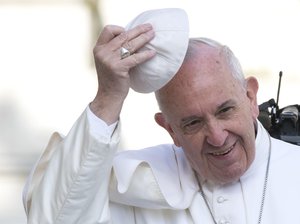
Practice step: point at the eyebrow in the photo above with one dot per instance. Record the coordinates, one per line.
(229, 102)
(185, 119)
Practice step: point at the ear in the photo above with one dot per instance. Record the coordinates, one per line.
(161, 121)
(252, 89)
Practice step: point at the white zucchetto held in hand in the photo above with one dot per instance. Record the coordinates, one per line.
(171, 39)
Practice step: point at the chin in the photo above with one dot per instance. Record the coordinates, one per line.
(229, 176)
(228, 181)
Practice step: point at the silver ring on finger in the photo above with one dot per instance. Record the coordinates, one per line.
(124, 53)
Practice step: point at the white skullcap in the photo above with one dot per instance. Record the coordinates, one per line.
(171, 39)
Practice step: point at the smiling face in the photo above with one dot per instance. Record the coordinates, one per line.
(211, 115)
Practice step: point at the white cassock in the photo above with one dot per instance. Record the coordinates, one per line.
(80, 179)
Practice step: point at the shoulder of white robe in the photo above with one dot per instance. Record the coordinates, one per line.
(154, 177)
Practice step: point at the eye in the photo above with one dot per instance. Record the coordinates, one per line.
(192, 126)
(225, 111)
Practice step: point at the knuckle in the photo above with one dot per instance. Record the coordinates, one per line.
(135, 60)
(97, 51)
(107, 29)
(143, 27)
(123, 37)
(111, 66)
(144, 37)
(101, 58)
(129, 46)
(148, 36)
(140, 28)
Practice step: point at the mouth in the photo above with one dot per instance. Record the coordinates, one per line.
(224, 152)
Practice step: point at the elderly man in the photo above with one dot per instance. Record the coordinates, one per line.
(222, 168)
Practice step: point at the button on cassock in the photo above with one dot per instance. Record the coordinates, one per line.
(221, 199)
(223, 221)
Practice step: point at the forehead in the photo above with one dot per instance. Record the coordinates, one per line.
(203, 80)
(202, 63)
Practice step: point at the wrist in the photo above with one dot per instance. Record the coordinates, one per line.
(107, 108)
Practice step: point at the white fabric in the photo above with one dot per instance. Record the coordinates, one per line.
(71, 183)
(98, 127)
(171, 28)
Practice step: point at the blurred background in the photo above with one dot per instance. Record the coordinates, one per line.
(47, 75)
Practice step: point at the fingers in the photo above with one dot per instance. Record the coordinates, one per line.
(108, 50)
(135, 38)
(113, 71)
(136, 43)
(108, 33)
(139, 58)
(116, 37)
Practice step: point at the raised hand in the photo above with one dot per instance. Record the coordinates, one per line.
(113, 69)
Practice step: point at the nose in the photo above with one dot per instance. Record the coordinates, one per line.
(216, 134)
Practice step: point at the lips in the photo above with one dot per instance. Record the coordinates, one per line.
(224, 152)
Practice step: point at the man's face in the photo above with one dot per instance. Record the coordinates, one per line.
(211, 116)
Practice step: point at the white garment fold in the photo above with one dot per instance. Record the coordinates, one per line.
(80, 179)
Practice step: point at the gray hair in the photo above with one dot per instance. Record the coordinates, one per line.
(232, 60)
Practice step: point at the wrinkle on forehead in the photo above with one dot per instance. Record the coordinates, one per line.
(185, 79)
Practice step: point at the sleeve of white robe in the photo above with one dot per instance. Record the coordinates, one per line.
(69, 184)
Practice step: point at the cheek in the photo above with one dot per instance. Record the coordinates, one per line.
(193, 147)
(192, 143)
(195, 159)
(246, 116)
